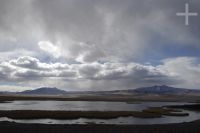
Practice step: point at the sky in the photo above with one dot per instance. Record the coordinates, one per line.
(81, 45)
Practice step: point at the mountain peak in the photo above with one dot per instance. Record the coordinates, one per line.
(161, 86)
(44, 91)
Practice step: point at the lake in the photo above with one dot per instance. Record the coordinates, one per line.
(96, 106)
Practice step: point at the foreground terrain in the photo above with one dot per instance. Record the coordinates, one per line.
(9, 127)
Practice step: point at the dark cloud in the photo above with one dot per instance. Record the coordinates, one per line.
(119, 30)
(109, 30)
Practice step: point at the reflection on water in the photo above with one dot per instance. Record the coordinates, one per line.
(99, 106)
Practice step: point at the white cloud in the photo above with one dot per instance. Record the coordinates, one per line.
(186, 69)
(97, 76)
(50, 48)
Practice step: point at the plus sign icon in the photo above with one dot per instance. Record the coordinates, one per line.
(187, 14)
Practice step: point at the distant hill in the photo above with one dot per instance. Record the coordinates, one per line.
(44, 91)
(163, 89)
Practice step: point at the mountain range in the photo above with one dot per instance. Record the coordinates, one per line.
(158, 90)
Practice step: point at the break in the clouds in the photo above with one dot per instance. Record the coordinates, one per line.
(98, 44)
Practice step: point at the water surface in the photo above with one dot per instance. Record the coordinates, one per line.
(96, 106)
(82, 105)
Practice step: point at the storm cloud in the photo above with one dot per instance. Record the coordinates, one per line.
(98, 45)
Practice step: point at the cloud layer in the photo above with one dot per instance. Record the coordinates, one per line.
(29, 70)
(98, 45)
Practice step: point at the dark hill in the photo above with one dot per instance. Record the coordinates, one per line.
(164, 90)
(44, 91)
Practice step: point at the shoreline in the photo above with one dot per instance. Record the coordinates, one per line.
(106, 98)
